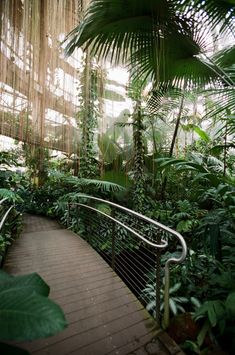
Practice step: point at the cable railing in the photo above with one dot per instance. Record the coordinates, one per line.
(4, 213)
(133, 245)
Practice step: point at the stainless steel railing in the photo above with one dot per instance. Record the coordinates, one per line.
(147, 237)
(3, 217)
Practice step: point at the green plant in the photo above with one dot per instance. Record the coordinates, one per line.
(218, 316)
(26, 312)
(10, 195)
(12, 225)
(175, 302)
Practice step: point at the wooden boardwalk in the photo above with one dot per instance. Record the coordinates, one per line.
(104, 316)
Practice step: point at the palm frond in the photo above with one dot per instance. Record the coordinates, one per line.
(213, 13)
(101, 185)
(154, 38)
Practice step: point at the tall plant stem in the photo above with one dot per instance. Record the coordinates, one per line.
(174, 139)
(177, 125)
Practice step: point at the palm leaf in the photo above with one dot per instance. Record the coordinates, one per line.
(104, 186)
(149, 36)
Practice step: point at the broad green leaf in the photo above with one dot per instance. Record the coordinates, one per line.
(202, 334)
(31, 281)
(202, 134)
(192, 346)
(212, 314)
(4, 276)
(172, 306)
(195, 302)
(104, 208)
(230, 304)
(175, 288)
(25, 316)
(214, 310)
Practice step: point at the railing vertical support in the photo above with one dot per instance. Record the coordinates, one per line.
(158, 242)
(158, 286)
(77, 219)
(158, 281)
(166, 315)
(68, 217)
(113, 240)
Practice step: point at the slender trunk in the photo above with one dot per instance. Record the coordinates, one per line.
(173, 141)
(177, 126)
(153, 137)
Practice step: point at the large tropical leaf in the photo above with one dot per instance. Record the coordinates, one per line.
(223, 96)
(31, 282)
(25, 315)
(157, 40)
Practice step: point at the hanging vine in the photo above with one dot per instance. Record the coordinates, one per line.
(88, 116)
(138, 170)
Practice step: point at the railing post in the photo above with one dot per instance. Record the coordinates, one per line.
(68, 216)
(77, 219)
(158, 282)
(166, 315)
(113, 240)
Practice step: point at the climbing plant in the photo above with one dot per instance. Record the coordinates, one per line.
(87, 117)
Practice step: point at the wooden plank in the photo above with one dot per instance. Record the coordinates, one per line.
(103, 315)
(81, 324)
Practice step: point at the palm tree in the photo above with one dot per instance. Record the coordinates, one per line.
(162, 41)
(155, 39)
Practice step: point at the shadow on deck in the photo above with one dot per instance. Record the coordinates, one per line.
(104, 316)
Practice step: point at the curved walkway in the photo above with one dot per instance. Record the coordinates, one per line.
(104, 316)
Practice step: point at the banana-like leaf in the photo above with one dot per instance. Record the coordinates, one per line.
(31, 282)
(27, 315)
(230, 303)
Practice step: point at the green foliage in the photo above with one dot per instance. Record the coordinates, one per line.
(218, 314)
(26, 312)
(37, 159)
(96, 185)
(8, 159)
(176, 301)
(146, 36)
(88, 113)
(13, 222)
(10, 195)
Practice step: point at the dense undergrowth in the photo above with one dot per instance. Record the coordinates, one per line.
(199, 202)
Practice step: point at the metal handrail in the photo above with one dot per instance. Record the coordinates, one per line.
(4, 199)
(6, 213)
(163, 244)
(3, 220)
(160, 246)
(5, 217)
